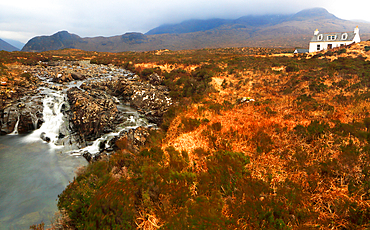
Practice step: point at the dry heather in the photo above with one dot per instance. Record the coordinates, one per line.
(255, 141)
(265, 130)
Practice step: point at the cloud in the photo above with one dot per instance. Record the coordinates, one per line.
(20, 19)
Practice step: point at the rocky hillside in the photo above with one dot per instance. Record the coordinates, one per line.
(249, 31)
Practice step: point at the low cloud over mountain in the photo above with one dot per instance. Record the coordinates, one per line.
(293, 30)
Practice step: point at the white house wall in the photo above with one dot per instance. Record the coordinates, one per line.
(357, 38)
(324, 45)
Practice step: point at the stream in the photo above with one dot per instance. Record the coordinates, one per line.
(35, 168)
(32, 176)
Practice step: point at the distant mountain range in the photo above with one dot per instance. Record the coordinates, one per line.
(7, 47)
(293, 30)
(15, 43)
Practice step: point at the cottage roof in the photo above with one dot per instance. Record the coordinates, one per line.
(301, 51)
(338, 36)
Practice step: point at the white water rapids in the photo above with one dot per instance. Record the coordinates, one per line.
(53, 118)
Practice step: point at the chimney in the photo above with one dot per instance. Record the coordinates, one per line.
(316, 32)
(356, 30)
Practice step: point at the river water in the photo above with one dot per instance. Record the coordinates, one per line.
(33, 172)
(32, 175)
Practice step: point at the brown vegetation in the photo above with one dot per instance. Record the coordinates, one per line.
(294, 157)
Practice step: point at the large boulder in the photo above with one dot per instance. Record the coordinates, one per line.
(152, 101)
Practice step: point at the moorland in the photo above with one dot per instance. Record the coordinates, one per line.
(256, 138)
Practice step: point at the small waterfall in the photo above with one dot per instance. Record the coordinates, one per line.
(15, 130)
(53, 119)
(133, 121)
(56, 126)
(96, 146)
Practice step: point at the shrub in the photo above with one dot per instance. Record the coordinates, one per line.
(341, 51)
(216, 126)
(317, 88)
(291, 68)
(189, 124)
(145, 73)
(269, 111)
(264, 142)
(329, 53)
(307, 102)
(313, 131)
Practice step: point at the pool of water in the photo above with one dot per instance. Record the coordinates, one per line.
(32, 175)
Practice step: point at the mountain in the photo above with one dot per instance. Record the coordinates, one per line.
(6, 46)
(317, 13)
(293, 30)
(15, 43)
(60, 40)
(250, 20)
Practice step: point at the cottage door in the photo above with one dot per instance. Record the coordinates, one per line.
(330, 46)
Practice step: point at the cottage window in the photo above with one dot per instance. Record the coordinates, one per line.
(319, 37)
(318, 47)
(331, 37)
(344, 36)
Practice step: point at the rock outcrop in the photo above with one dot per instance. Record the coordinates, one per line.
(91, 115)
(22, 116)
(150, 100)
(99, 100)
(132, 140)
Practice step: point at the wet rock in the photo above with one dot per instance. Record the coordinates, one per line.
(9, 119)
(93, 109)
(25, 124)
(62, 78)
(77, 76)
(94, 157)
(152, 100)
(27, 111)
(88, 156)
(44, 137)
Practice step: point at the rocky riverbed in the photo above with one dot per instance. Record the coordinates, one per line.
(95, 97)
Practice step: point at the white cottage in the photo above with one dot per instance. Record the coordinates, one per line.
(323, 41)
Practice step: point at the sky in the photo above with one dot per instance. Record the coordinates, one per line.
(24, 19)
